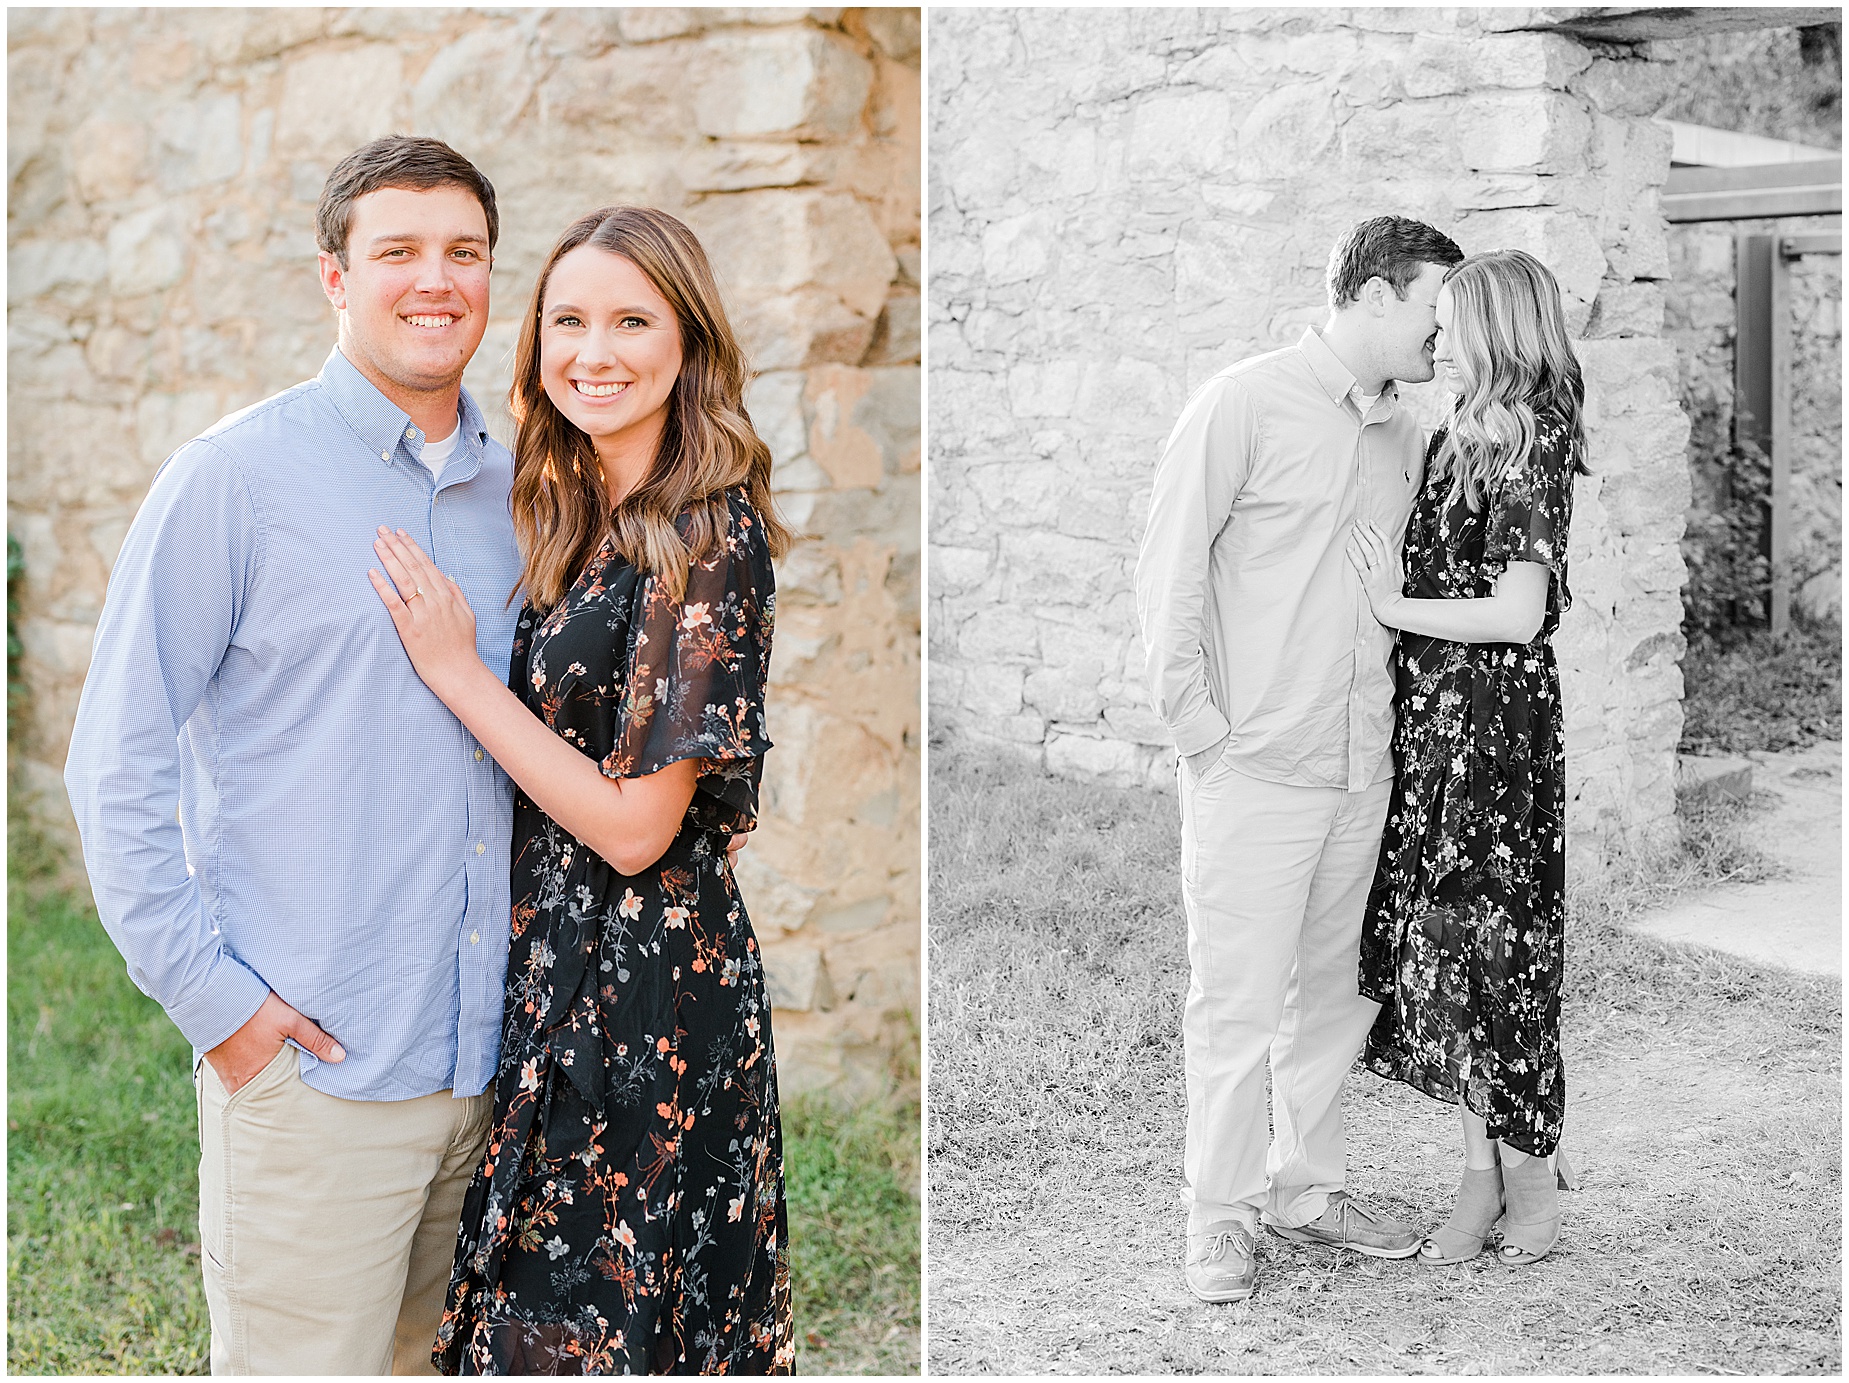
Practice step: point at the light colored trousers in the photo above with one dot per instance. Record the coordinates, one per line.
(328, 1226)
(1275, 881)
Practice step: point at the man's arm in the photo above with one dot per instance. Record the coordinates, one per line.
(175, 596)
(1204, 464)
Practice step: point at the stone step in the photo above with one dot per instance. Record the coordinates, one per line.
(1713, 775)
(1795, 918)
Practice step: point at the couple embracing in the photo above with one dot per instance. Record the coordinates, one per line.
(1347, 627)
(482, 1042)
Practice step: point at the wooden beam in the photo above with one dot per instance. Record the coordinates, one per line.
(1703, 146)
(1755, 177)
(1778, 521)
(1635, 24)
(1822, 243)
(1812, 188)
(1751, 206)
(1752, 360)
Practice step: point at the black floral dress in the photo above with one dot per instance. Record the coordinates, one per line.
(628, 1216)
(1463, 942)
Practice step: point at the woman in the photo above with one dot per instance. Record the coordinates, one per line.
(628, 1216)
(1462, 944)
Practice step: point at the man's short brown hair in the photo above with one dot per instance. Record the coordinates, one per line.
(398, 160)
(1394, 248)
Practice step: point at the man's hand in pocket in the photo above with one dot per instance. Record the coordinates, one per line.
(239, 1058)
(1199, 763)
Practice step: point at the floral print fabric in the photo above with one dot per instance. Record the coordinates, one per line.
(629, 1215)
(1463, 942)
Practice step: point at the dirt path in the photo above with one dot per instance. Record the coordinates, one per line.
(1088, 1280)
(1795, 921)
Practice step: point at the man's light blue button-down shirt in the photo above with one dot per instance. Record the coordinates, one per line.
(341, 838)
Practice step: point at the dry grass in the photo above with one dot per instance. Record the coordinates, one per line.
(1705, 1111)
(1758, 691)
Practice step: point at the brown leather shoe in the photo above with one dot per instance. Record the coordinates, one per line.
(1222, 1263)
(1349, 1224)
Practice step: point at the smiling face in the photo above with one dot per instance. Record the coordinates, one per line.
(413, 297)
(609, 355)
(1444, 356)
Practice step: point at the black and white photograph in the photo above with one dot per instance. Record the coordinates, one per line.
(1384, 474)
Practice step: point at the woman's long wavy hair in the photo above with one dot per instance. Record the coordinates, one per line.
(561, 508)
(1509, 341)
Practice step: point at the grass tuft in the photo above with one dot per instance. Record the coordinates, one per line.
(852, 1177)
(1757, 691)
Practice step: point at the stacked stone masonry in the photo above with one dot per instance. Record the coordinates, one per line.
(1700, 319)
(1124, 201)
(164, 167)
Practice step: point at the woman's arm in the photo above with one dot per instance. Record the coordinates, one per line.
(628, 821)
(1512, 615)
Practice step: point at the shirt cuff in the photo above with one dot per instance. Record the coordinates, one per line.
(1203, 732)
(226, 1002)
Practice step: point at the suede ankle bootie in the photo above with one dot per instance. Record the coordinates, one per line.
(1531, 1192)
(1478, 1207)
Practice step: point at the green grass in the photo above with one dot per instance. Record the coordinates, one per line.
(852, 1177)
(102, 1197)
(1704, 1111)
(102, 1205)
(1758, 692)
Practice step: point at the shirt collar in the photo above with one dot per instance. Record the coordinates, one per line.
(380, 423)
(1336, 378)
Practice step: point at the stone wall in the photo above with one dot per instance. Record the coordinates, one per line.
(164, 167)
(1124, 201)
(1701, 323)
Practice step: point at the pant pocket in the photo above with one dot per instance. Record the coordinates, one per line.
(1199, 807)
(218, 1152)
(1190, 780)
(1200, 797)
(279, 1069)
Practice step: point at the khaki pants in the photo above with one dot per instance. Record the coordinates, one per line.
(1275, 881)
(328, 1226)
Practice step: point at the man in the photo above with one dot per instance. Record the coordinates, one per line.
(1277, 684)
(327, 921)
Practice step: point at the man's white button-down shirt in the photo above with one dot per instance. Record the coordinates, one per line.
(1255, 625)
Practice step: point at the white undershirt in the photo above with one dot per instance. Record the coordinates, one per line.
(435, 454)
(1365, 401)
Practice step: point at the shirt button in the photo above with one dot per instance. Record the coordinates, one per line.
(410, 432)
(478, 756)
(480, 848)
(475, 938)
(385, 456)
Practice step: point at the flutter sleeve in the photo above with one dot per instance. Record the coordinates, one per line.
(1531, 508)
(697, 667)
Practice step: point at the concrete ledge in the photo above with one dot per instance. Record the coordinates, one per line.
(1713, 775)
(1794, 918)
